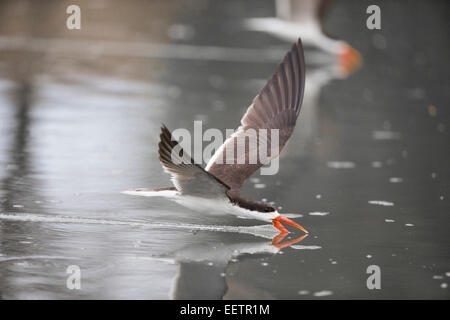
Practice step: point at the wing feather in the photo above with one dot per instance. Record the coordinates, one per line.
(277, 106)
(189, 178)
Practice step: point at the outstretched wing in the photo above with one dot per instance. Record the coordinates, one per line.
(276, 107)
(188, 177)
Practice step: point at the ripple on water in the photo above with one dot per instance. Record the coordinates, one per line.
(381, 203)
(35, 257)
(341, 164)
(301, 247)
(318, 213)
(292, 215)
(323, 293)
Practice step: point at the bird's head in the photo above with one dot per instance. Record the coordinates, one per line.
(256, 206)
(267, 212)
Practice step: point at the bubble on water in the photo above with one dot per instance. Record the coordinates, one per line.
(444, 285)
(377, 164)
(433, 175)
(280, 208)
(18, 206)
(333, 262)
(223, 274)
(389, 220)
(264, 264)
(409, 225)
(323, 293)
(438, 277)
(318, 196)
(303, 292)
(341, 164)
(385, 135)
(318, 213)
(210, 263)
(255, 180)
(395, 180)
(259, 185)
(441, 198)
(368, 256)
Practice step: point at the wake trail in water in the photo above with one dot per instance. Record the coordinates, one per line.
(265, 231)
(36, 257)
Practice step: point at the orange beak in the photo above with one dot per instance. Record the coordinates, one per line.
(349, 59)
(279, 226)
(276, 241)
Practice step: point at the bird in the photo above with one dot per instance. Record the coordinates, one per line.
(216, 188)
(304, 19)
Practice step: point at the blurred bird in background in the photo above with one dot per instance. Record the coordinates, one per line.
(304, 19)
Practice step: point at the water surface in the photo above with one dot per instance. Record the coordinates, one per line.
(367, 167)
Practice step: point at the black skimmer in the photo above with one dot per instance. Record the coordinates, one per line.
(304, 19)
(216, 189)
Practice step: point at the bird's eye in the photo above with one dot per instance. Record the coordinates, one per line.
(266, 209)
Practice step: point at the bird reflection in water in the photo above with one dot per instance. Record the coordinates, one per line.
(202, 272)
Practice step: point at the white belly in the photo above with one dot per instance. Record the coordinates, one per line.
(223, 207)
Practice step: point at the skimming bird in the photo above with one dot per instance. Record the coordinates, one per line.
(216, 189)
(304, 19)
